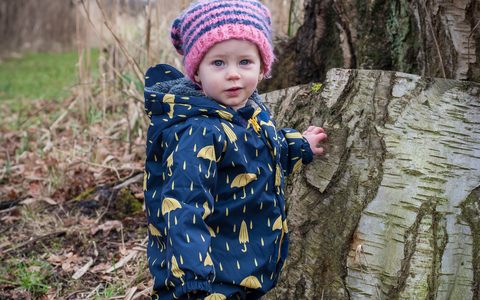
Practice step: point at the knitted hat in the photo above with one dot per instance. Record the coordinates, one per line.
(207, 22)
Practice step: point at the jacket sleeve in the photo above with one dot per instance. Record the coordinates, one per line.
(295, 150)
(190, 163)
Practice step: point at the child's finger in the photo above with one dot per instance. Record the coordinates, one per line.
(317, 150)
(318, 130)
(322, 136)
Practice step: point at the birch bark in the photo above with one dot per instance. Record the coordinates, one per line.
(400, 176)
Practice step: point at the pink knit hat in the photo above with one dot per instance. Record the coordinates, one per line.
(207, 22)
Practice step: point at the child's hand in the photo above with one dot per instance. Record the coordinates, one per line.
(314, 135)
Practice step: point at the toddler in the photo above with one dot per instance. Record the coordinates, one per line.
(215, 165)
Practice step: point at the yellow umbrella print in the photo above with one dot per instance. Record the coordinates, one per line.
(251, 282)
(170, 163)
(207, 152)
(232, 137)
(168, 205)
(170, 100)
(278, 224)
(207, 210)
(176, 271)
(242, 180)
(154, 231)
(216, 296)
(225, 115)
(243, 237)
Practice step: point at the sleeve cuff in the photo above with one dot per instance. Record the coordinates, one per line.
(195, 285)
(307, 154)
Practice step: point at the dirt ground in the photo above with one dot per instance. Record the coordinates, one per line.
(92, 247)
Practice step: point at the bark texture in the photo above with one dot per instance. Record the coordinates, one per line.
(382, 34)
(400, 176)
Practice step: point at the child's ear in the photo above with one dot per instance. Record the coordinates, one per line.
(196, 77)
(260, 76)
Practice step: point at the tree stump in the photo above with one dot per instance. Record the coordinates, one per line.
(400, 179)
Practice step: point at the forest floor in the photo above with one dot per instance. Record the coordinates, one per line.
(72, 224)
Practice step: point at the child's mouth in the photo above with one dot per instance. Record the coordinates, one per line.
(234, 91)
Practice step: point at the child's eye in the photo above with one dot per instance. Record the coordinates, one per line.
(218, 63)
(244, 62)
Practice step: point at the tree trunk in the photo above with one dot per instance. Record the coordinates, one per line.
(400, 176)
(382, 34)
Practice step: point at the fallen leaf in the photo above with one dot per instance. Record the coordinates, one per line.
(107, 227)
(100, 268)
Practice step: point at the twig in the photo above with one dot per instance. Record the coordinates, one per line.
(469, 36)
(434, 38)
(359, 250)
(136, 68)
(35, 239)
(127, 182)
(149, 25)
(143, 293)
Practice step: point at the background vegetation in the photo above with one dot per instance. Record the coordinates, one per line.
(72, 141)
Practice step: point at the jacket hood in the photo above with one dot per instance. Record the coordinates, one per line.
(169, 93)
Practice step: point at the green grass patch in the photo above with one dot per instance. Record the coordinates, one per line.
(31, 276)
(40, 75)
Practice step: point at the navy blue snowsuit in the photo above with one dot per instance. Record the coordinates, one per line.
(214, 192)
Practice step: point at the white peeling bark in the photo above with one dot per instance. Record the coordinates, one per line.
(400, 176)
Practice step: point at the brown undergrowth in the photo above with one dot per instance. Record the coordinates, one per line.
(71, 218)
(72, 224)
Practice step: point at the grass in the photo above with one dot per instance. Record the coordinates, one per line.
(30, 276)
(39, 75)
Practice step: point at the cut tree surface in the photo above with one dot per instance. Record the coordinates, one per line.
(400, 176)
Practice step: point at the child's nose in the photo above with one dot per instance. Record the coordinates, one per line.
(233, 73)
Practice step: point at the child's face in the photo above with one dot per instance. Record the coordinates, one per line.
(230, 71)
